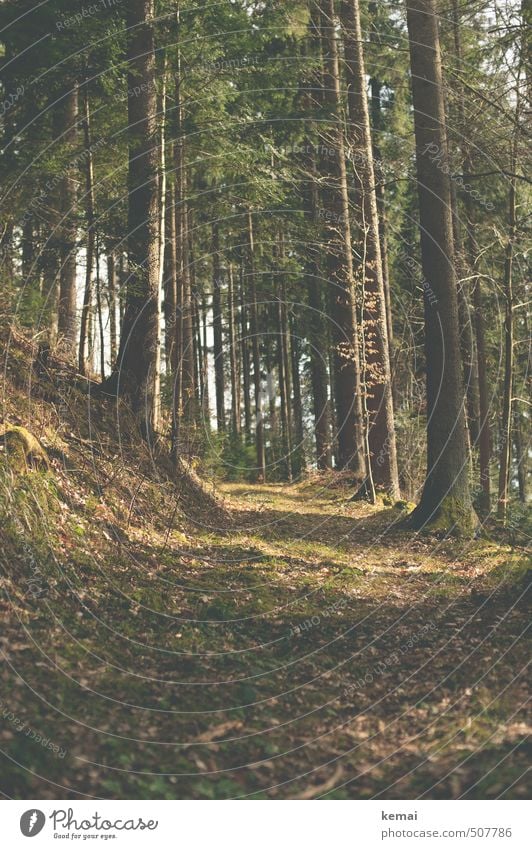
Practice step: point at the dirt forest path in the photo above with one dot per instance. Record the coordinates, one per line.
(312, 649)
(394, 648)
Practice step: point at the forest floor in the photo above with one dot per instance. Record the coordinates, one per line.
(286, 642)
(312, 649)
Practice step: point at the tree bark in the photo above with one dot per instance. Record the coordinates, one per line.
(298, 461)
(378, 377)
(196, 330)
(91, 235)
(445, 501)
(28, 251)
(376, 115)
(521, 456)
(316, 326)
(188, 385)
(466, 329)
(319, 371)
(50, 264)
(255, 348)
(67, 231)
(339, 263)
(170, 283)
(111, 289)
(205, 375)
(99, 312)
(233, 354)
(194, 316)
(464, 311)
(506, 413)
(184, 384)
(162, 197)
(283, 351)
(217, 322)
(484, 431)
(468, 255)
(139, 338)
(245, 353)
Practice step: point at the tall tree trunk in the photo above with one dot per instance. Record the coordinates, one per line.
(378, 378)
(339, 263)
(198, 352)
(283, 350)
(122, 286)
(170, 283)
(445, 501)
(194, 313)
(90, 339)
(484, 431)
(506, 413)
(111, 290)
(298, 462)
(376, 116)
(137, 358)
(161, 191)
(467, 257)
(50, 251)
(99, 311)
(270, 361)
(255, 348)
(233, 354)
(28, 251)
(205, 374)
(184, 386)
(30, 296)
(464, 312)
(319, 372)
(469, 370)
(67, 324)
(507, 403)
(50, 265)
(188, 384)
(91, 235)
(316, 325)
(8, 71)
(7, 248)
(332, 389)
(521, 456)
(217, 323)
(245, 353)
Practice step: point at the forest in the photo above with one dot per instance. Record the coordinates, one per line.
(265, 398)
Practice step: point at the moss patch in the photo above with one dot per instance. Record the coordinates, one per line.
(23, 450)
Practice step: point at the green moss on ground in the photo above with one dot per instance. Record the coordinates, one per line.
(23, 450)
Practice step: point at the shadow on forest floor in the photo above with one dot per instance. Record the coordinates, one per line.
(312, 651)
